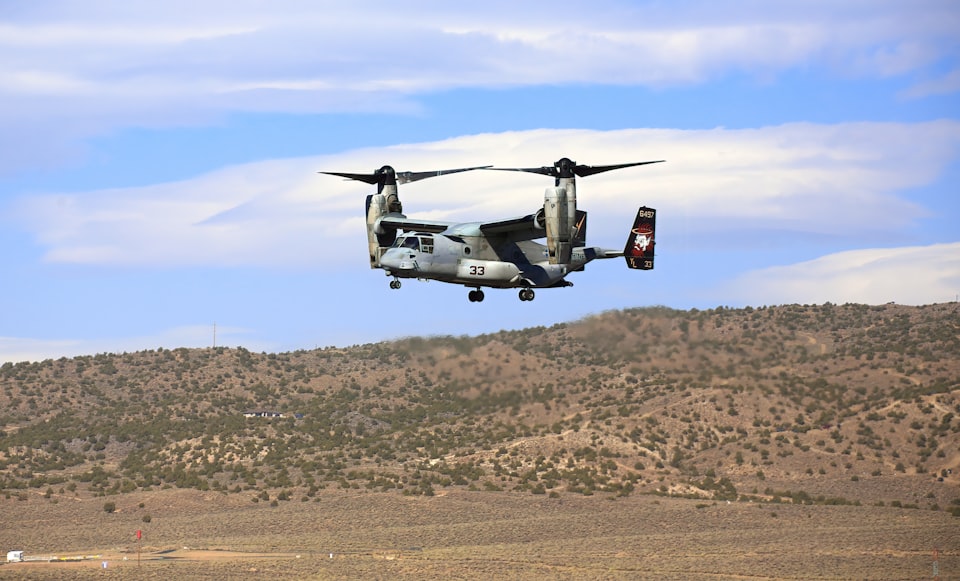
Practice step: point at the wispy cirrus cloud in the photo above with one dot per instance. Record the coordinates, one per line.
(68, 74)
(913, 275)
(845, 180)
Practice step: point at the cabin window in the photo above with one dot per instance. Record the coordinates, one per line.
(426, 244)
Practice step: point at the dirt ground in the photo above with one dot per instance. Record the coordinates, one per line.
(467, 535)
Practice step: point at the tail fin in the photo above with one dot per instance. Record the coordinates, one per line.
(639, 248)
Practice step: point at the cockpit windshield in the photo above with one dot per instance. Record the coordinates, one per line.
(419, 243)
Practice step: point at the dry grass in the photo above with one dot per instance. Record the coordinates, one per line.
(465, 535)
(851, 412)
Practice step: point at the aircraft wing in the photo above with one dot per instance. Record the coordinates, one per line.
(522, 228)
(401, 222)
(531, 227)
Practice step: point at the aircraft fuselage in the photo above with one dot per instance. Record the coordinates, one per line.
(462, 255)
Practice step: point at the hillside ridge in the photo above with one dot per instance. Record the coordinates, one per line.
(832, 404)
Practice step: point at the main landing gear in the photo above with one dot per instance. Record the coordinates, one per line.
(476, 295)
(395, 283)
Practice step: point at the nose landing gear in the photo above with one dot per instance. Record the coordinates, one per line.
(475, 296)
(395, 284)
(526, 294)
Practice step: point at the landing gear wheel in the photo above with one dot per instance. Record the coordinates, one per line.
(526, 294)
(394, 284)
(475, 296)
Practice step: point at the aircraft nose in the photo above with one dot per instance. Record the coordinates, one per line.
(390, 259)
(397, 259)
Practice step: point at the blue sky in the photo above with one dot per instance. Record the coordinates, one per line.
(159, 176)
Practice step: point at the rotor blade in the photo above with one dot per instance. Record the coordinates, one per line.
(412, 176)
(367, 178)
(563, 166)
(588, 170)
(547, 171)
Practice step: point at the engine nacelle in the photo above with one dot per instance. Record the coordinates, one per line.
(559, 216)
(378, 238)
(540, 220)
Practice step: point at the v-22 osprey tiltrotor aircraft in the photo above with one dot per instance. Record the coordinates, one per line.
(501, 253)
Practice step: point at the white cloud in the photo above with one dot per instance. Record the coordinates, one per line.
(19, 349)
(16, 350)
(945, 84)
(67, 74)
(911, 275)
(838, 180)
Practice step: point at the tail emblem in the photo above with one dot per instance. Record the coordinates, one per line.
(642, 240)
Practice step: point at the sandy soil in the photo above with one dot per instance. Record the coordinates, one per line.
(464, 535)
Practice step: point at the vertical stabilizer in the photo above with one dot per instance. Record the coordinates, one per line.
(639, 248)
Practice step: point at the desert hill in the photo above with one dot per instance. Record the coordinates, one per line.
(824, 404)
